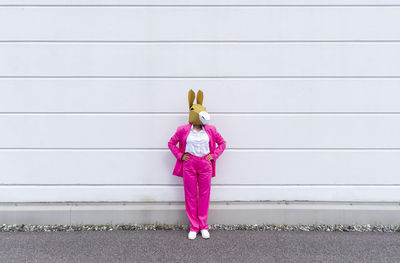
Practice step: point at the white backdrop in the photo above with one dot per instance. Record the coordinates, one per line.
(305, 93)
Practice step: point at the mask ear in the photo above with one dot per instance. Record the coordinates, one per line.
(200, 97)
(191, 96)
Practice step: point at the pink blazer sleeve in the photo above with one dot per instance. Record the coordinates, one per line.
(221, 145)
(172, 144)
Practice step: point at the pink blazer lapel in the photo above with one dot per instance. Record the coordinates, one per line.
(185, 135)
(211, 143)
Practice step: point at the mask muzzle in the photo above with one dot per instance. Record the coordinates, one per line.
(204, 117)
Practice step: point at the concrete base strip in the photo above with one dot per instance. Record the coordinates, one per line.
(223, 212)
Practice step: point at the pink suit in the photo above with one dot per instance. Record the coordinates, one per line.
(196, 170)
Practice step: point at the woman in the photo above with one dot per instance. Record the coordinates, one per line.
(196, 158)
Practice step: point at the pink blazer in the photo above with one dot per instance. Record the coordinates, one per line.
(180, 136)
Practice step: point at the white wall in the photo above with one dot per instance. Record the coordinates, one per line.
(306, 94)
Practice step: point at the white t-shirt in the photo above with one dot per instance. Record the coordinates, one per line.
(197, 142)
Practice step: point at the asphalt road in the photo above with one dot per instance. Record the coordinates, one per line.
(223, 246)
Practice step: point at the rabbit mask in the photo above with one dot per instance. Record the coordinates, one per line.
(197, 112)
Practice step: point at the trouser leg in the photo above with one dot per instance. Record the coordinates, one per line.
(190, 187)
(204, 192)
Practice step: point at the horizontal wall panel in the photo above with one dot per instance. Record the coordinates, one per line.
(296, 3)
(239, 130)
(201, 24)
(238, 167)
(200, 59)
(220, 95)
(148, 193)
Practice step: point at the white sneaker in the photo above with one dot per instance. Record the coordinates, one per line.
(205, 233)
(192, 235)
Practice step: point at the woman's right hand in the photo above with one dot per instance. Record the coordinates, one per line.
(185, 157)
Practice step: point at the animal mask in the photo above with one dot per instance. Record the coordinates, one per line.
(197, 112)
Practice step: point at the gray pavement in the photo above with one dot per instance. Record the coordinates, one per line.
(223, 246)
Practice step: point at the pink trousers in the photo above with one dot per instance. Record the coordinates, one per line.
(197, 170)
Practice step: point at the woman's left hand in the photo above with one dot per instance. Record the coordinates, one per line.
(209, 157)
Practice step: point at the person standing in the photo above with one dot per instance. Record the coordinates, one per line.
(196, 162)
